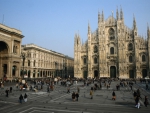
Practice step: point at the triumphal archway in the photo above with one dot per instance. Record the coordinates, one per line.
(10, 52)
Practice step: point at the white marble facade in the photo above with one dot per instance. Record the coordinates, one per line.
(113, 50)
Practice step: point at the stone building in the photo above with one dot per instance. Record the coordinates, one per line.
(112, 50)
(40, 62)
(30, 60)
(10, 51)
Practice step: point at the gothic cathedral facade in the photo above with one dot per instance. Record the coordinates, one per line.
(113, 50)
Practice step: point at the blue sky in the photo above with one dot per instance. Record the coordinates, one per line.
(52, 24)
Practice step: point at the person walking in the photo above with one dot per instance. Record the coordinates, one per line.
(131, 87)
(135, 95)
(10, 90)
(77, 96)
(25, 97)
(7, 92)
(146, 101)
(113, 96)
(137, 102)
(73, 96)
(20, 98)
(68, 90)
(91, 93)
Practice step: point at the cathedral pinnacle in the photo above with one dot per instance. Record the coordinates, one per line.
(89, 29)
(117, 14)
(134, 22)
(102, 16)
(148, 32)
(99, 17)
(121, 14)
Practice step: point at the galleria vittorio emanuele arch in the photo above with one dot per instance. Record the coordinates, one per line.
(30, 61)
(112, 50)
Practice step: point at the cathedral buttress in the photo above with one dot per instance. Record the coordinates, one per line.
(89, 52)
(77, 57)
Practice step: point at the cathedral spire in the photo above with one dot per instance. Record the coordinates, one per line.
(147, 27)
(99, 17)
(148, 33)
(112, 14)
(89, 29)
(117, 14)
(134, 23)
(102, 16)
(121, 14)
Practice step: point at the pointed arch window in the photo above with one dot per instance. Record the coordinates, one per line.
(95, 49)
(130, 47)
(84, 60)
(143, 58)
(130, 59)
(112, 50)
(95, 60)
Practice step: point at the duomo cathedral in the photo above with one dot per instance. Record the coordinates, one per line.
(113, 50)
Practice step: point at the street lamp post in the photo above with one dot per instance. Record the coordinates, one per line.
(23, 56)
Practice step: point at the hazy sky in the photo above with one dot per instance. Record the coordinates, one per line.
(52, 24)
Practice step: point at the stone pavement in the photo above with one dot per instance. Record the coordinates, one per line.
(58, 101)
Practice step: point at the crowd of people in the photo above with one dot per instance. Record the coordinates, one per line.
(97, 84)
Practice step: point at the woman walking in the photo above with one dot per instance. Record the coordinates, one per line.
(137, 102)
(25, 97)
(113, 96)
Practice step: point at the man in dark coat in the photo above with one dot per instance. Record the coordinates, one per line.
(77, 96)
(7, 92)
(21, 98)
(73, 96)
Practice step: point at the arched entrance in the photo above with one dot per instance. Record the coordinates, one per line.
(112, 72)
(3, 64)
(14, 70)
(29, 72)
(3, 48)
(95, 74)
(131, 73)
(85, 74)
(144, 73)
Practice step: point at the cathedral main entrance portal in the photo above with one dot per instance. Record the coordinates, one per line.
(144, 73)
(85, 74)
(95, 74)
(112, 72)
(131, 73)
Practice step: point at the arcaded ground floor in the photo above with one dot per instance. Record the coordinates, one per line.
(113, 72)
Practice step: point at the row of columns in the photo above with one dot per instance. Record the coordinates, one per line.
(39, 73)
